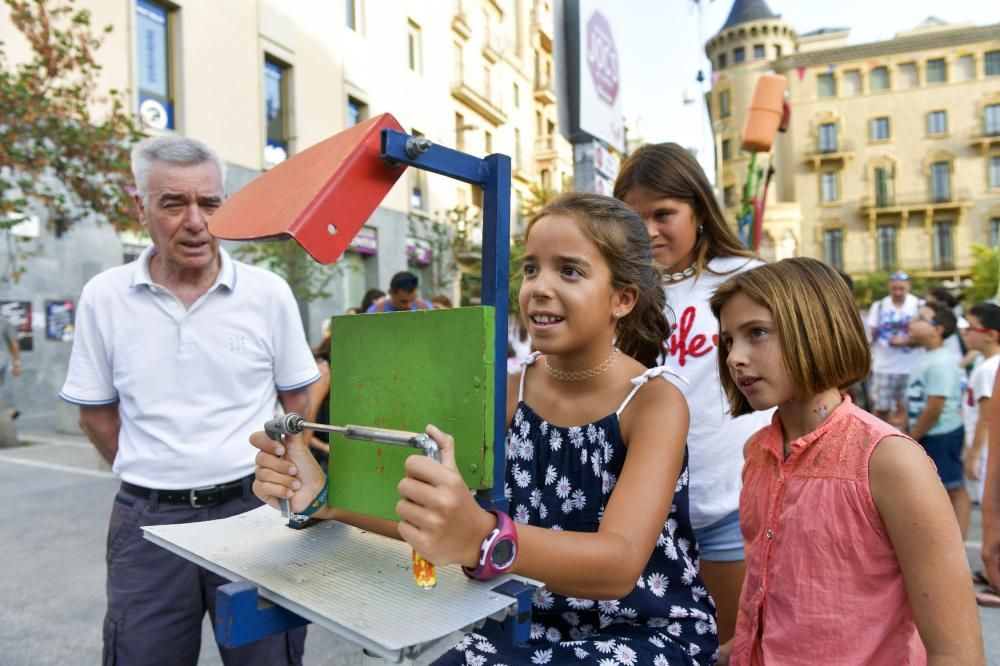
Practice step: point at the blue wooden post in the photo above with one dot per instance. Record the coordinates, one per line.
(241, 619)
(493, 175)
(515, 629)
(496, 280)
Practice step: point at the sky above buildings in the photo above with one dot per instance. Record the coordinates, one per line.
(662, 45)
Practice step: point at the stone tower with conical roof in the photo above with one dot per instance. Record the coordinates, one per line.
(746, 46)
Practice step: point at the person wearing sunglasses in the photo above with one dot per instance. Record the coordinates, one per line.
(402, 295)
(893, 354)
(982, 335)
(956, 343)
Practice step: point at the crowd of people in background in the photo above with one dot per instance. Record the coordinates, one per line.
(934, 369)
(920, 366)
(930, 376)
(716, 493)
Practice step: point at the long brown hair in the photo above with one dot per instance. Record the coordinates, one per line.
(670, 171)
(621, 237)
(822, 339)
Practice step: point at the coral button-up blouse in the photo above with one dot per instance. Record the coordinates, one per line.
(823, 585)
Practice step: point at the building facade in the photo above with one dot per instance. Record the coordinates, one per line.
(892, 156)
(260, 80)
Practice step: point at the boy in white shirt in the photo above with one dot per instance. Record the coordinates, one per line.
(983, 335)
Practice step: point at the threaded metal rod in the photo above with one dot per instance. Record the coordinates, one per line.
(292, 424)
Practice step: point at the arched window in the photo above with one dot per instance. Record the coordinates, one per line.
(939, 168)
(882, 176)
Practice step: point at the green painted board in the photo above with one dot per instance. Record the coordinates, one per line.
(403, 370)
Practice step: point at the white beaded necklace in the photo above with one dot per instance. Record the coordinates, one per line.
(674, 277)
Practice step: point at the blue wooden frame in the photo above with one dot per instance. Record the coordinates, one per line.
(238, 619)
(492, 173)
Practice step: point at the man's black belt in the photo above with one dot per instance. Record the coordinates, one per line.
(195, 497)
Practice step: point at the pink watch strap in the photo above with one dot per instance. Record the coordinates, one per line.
(505, 531)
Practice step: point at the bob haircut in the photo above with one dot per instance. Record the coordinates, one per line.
(822, 339)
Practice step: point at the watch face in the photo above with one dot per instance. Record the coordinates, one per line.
(503, 553)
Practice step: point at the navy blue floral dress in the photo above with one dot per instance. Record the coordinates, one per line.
(562, 478)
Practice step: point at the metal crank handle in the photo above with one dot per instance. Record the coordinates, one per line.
(414, 440)
(276, 431)
(291, 424)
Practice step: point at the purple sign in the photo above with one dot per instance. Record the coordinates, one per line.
(602, 57)
(366, 242)
(418, 254)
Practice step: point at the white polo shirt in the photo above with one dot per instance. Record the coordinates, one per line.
(192, 383)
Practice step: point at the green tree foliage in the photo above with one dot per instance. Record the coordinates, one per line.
(450, 236)
(447, 238)
(540, 196)
(530, 207)
(62, 143)
(871, 287)
(983, 274)
(307, 277)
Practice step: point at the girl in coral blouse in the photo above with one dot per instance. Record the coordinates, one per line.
(853, 552)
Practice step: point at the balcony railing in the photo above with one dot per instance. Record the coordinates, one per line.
(925, 199)
(837, 150)
(545, 91)
(460, 21)
(542, 24)
(484, 102)
(986, 138)
(492, 47)
(545, 147)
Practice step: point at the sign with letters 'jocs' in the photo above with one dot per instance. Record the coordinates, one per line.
(600, 78)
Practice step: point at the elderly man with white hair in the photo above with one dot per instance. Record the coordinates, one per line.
(177, 358)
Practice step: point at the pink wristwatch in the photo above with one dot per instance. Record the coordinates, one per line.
(499, 549)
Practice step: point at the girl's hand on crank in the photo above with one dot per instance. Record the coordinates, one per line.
(296, 477)
(439, 516)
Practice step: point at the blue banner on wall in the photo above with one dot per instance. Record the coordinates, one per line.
(152, 47)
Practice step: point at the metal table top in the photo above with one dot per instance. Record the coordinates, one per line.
(355, 583)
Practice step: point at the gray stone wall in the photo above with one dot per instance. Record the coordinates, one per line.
(57, 270)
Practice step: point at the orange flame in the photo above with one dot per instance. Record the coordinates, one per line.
(423, 572)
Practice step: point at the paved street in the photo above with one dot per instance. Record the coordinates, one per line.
(58, 498)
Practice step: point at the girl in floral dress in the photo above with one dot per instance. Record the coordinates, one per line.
(596, 473)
